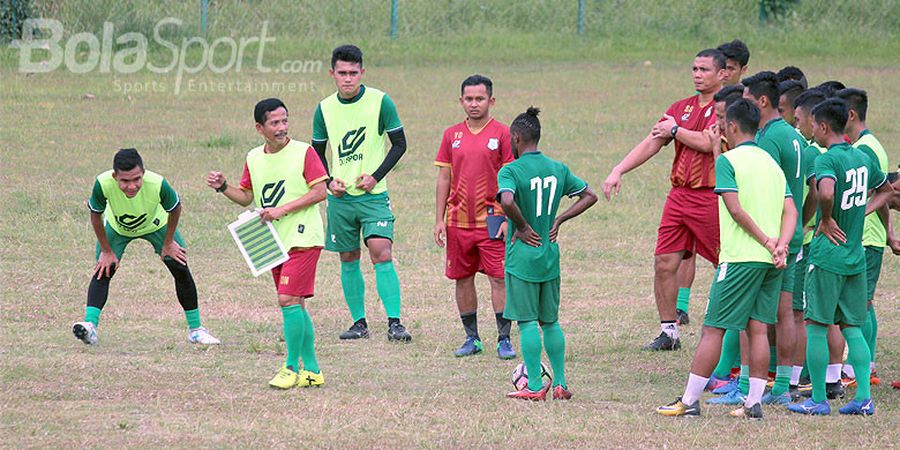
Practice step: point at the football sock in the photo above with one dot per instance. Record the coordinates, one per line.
(193, 318)
(805, 372)
(185, 289)
(795, 375)
(817, 359)
(773, 358)
(293, 333)
(470, 323)
(847, 369)
(308, 348)
(92, 315)
(754, 394)
(354, 289)
(98, 292)
(833, 373)
(388, 285)
(731, 348)
(669, 327)
(744, 380)
(555, 346)
(503, 326)
(782, 380)
(870, 331)
(684, 299)
(858, 356)
(531, 352)
(694, 388)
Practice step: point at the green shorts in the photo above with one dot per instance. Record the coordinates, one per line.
(350, 215)
(119, 242)
(526, 301)
(743, 291)
(798, 274)
(833, 299)
(787, 280)
(874, 255)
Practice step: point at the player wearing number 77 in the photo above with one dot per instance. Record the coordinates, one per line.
(529, 190)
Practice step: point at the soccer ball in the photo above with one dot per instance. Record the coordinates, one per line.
(520, 376)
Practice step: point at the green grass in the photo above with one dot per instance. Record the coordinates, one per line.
(144, 386)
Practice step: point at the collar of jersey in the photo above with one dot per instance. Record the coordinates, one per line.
(864, 132)
(769, 123)
(839, 144)
(750, 142)
(362, 90)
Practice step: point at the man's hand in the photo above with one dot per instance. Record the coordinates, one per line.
(663, 129)
(366, 182)
(528, 236)
(270, 214)
(832, 231)
(215, 180)
(501, 232)
(440, 231)
(106, 263)
(174, 251)
(554, 231)
(894, 244)
(337, 187)
(613, 184)
(714, 135)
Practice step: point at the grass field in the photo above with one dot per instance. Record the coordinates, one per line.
(145, 386)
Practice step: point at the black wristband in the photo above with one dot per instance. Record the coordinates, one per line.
(222, 187)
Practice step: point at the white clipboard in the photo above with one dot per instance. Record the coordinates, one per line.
(258, 242)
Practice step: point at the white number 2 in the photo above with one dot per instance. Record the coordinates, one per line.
(799, 159)
(858, 179)
(539, 185)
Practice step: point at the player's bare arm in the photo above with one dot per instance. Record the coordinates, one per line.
(827, 224)
(640, 154)
(524, 231)
(880, 198)
(809, 204)
(107, 262)
(241, 196)
(697, 140)
(316, 194)
(586, 199)
(441, 194)
(171, 248)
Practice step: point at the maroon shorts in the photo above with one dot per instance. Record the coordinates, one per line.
(690, 222)
(297, 276)
(469, 250)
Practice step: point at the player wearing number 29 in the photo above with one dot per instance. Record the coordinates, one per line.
(836, 278)
(529, 190)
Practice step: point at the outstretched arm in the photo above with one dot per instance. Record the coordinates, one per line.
(586, 199)
(638, 155)
(241, 196)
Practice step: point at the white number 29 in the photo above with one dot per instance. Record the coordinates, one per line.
(858, 179)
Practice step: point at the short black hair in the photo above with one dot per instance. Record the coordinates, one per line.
(717, 56)
(266, 106)
(745, 114)
(834, 112)
(347, 53)
(763, 84)
(729, 94)
(127, 159)
(792, 73)
(527, 125)
(830, 87)
(790, 89)
(809, 99)
(856, 99)
(736, 50)
(475, 80)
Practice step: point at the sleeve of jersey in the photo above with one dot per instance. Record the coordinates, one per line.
(573, 185)
(506, 148)
(168, 198)
(809, 156)
(443, 158)
(388, 119)
(670, 111)
(97, 202)
(770, 147)
(876, 176)
(824, 168)
(313, 170)
(246, 182)
(505, 181)
(787, 190)
(319, 132)
(725, 181)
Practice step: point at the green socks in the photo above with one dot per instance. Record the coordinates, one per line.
(731, 350)
(531, 353)
(684, 299)
(294, 325)
(744, 380)
(858, 357)
(388, 285)
(92, 315)
(354, 289)
(308, 349)
(193, 318)
(870, 331)
(555, 345)
(782, 380)
(817, 359)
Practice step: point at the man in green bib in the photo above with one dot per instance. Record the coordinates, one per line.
(358, 120)
(137, 204)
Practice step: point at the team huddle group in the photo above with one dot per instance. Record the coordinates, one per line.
(759, 163)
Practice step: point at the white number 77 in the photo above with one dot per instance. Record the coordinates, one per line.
(538, 184)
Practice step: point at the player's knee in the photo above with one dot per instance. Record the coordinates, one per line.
(178, 270)
(381, 255)
(350, 256)
(667, 263)
(290, 300)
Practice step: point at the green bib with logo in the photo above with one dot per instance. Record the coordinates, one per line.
(133, 217)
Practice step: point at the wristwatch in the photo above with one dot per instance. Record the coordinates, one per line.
(222, 188)
(674, 130)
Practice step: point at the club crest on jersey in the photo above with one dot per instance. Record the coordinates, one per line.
(455, 144)
(493, 144)
(687, 113)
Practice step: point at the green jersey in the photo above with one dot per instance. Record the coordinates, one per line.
(538, 183)
(761, 188)
(874, 233)
(785, 144)
(810, 153)
(854, 174)
(357, 129)
(146, 212)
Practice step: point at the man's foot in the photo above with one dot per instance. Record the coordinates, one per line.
(811, 408)
(784, 399)
(505, 349)
(284, 379)
(716, 382)
(728, 387)
(528, 394)
(201, 336)
(472, 346)
(308, 379)
(859, 407)
(85, 331)
(753, 412)
(561, 393)
(846, 381)
(358, 330)
(397, 332)
(663, 342)
(834, 390)
(681, 317)
(732, 398)
(677, 408)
